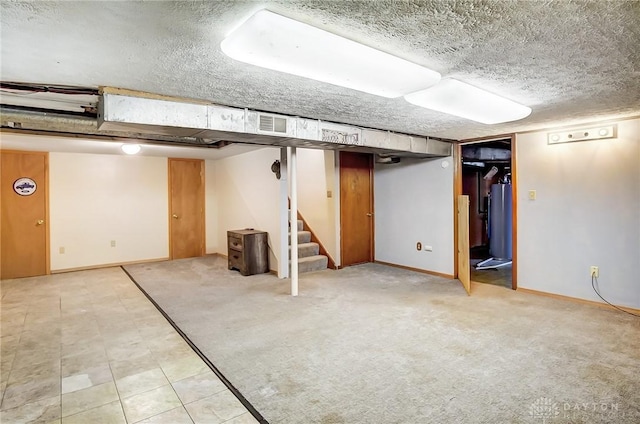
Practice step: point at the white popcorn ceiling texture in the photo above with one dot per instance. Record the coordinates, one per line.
(567, 60)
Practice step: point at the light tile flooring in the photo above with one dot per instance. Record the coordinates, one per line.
(89, 347)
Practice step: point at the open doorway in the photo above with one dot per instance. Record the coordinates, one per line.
(487, 178)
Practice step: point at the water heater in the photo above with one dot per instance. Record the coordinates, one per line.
(500, 222)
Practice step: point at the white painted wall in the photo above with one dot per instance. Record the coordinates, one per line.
(316, 176)
(414, 203)
(98, 198)
(248, 193)
(587, 212)
(211, 208)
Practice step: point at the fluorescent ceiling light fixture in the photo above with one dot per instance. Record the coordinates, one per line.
(466, 101)
(131, 149)
(275, 42)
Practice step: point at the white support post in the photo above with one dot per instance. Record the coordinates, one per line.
(294, 221)
(283, 264)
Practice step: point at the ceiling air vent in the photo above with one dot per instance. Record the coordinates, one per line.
(273, 124)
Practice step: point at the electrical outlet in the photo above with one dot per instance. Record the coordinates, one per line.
(113, 243)
(594, 271)
(418, 246)
(428, 248)
(61, 250)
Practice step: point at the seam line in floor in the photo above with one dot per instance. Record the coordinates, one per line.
(202, 356)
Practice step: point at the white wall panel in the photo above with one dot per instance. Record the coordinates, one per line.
(95, 199)
(414, 203)
(586, 212)
(316, 175)
(211, 207)
(247, 193)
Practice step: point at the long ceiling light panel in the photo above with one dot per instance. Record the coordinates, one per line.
(275, 42)
(466, 101)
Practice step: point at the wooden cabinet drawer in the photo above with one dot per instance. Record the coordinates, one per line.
(234, 243)
(235, 259)
(248, 251)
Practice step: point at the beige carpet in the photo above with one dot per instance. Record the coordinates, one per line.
(374, 344)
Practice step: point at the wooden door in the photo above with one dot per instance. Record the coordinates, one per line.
(25, 235)
(186, 208)
(356, 208)
(463, 242)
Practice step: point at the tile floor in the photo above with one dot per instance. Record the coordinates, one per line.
(88, 347)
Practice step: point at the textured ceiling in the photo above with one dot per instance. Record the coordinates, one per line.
(567, 60)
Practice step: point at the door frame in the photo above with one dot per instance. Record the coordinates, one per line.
(203, 247)
(47, 235)
(372, 244)
(462, 219)
(457, 190)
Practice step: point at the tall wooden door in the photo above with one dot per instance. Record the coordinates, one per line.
(356, 208)
(186, 204)
(25, 235)
(464, 273)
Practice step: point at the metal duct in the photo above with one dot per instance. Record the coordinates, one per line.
(118, 112)
(486, 154)
(59, 122)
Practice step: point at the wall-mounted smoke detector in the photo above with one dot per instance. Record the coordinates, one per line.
(583, 134)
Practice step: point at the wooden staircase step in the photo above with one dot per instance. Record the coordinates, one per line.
(309, 258)
(312, 263)
(307, 249)
(303, 237)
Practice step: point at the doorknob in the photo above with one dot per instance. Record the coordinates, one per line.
(40, 222)
(369, 214)
(174, 216)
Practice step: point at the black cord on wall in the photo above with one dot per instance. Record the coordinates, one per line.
(594, 280)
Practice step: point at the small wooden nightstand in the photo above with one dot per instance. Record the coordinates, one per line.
(248, 251)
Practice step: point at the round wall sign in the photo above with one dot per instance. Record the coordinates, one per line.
(24, 186)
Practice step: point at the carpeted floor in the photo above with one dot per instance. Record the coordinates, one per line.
(375, 344)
